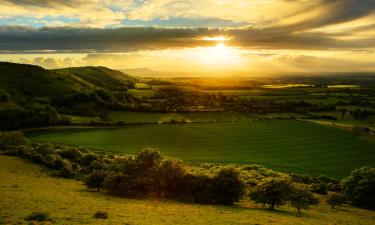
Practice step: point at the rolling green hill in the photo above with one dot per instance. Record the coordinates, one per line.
(101, 77)
(22, 80)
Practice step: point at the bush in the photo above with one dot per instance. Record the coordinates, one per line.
(274, 192)
(97, 165)
(148, 159)
(66, 171)
(64, 120)
(87, 158)
(4, 96)
(71, 154)
(95, 180)
(196, 189)
(335, 199)
(38, 216)
(36, 157)
(328, 180)
(12, 140)
(302, 178)
(10, 152)
(359, 187)
(252, 167)
(54, 162)
(301, 198)
(171, 173)
(45, 149)
(227, 187)
(116, 183)
(207, 165)
(319, 188)
(101, 215)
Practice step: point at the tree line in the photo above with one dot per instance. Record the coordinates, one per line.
(148, 173)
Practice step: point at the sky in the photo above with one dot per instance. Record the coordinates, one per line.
(198, 36)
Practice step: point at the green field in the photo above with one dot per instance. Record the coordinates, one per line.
(26, 188)
(289, 146)
(150, 117)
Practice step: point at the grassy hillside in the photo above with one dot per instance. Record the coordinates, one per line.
(282, 145)
(22, 80)
(27, 188)
(98, 77)
(33, 81)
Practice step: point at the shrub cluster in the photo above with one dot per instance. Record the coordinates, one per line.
(31, 115)
(359, 187)
(335, 199)
(4, 96)
(279, 191)
(65, 161)
(148, 173)
(319, 185)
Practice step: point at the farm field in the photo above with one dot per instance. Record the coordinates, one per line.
(289, 146)
(150, 117)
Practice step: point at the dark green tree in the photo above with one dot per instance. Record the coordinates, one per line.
(227, 186)
(335, 199)
(12, 140)
(302, 198)
(95, 179)
(359, 187)
(170, 177)
(274, 192)
(4, 96)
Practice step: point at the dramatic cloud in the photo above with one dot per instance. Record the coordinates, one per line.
(65, 39)
(97, 40)
(131, 27)
(44, 3)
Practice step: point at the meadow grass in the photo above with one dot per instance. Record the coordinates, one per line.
(26, 188)
(142, 92)
(151, 117)
(289, 146)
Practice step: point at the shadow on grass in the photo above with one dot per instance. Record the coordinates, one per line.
(113, 197)
(238, 208)
(281, 211)
(341, 209)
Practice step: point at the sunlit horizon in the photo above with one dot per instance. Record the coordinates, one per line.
(256, 37)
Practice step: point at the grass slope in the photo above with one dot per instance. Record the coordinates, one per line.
(98, 76)
(26, 188)
(28, 80)
(290, 146)
(23, 80)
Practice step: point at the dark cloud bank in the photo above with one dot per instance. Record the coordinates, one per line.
(293, 36)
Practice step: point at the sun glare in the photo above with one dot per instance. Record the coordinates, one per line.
(217, 38)
(218, 56)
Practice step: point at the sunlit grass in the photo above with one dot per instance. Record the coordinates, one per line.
(344, 86)
(286, 85)
(25, 188)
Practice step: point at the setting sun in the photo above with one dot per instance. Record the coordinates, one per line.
(218, 56)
